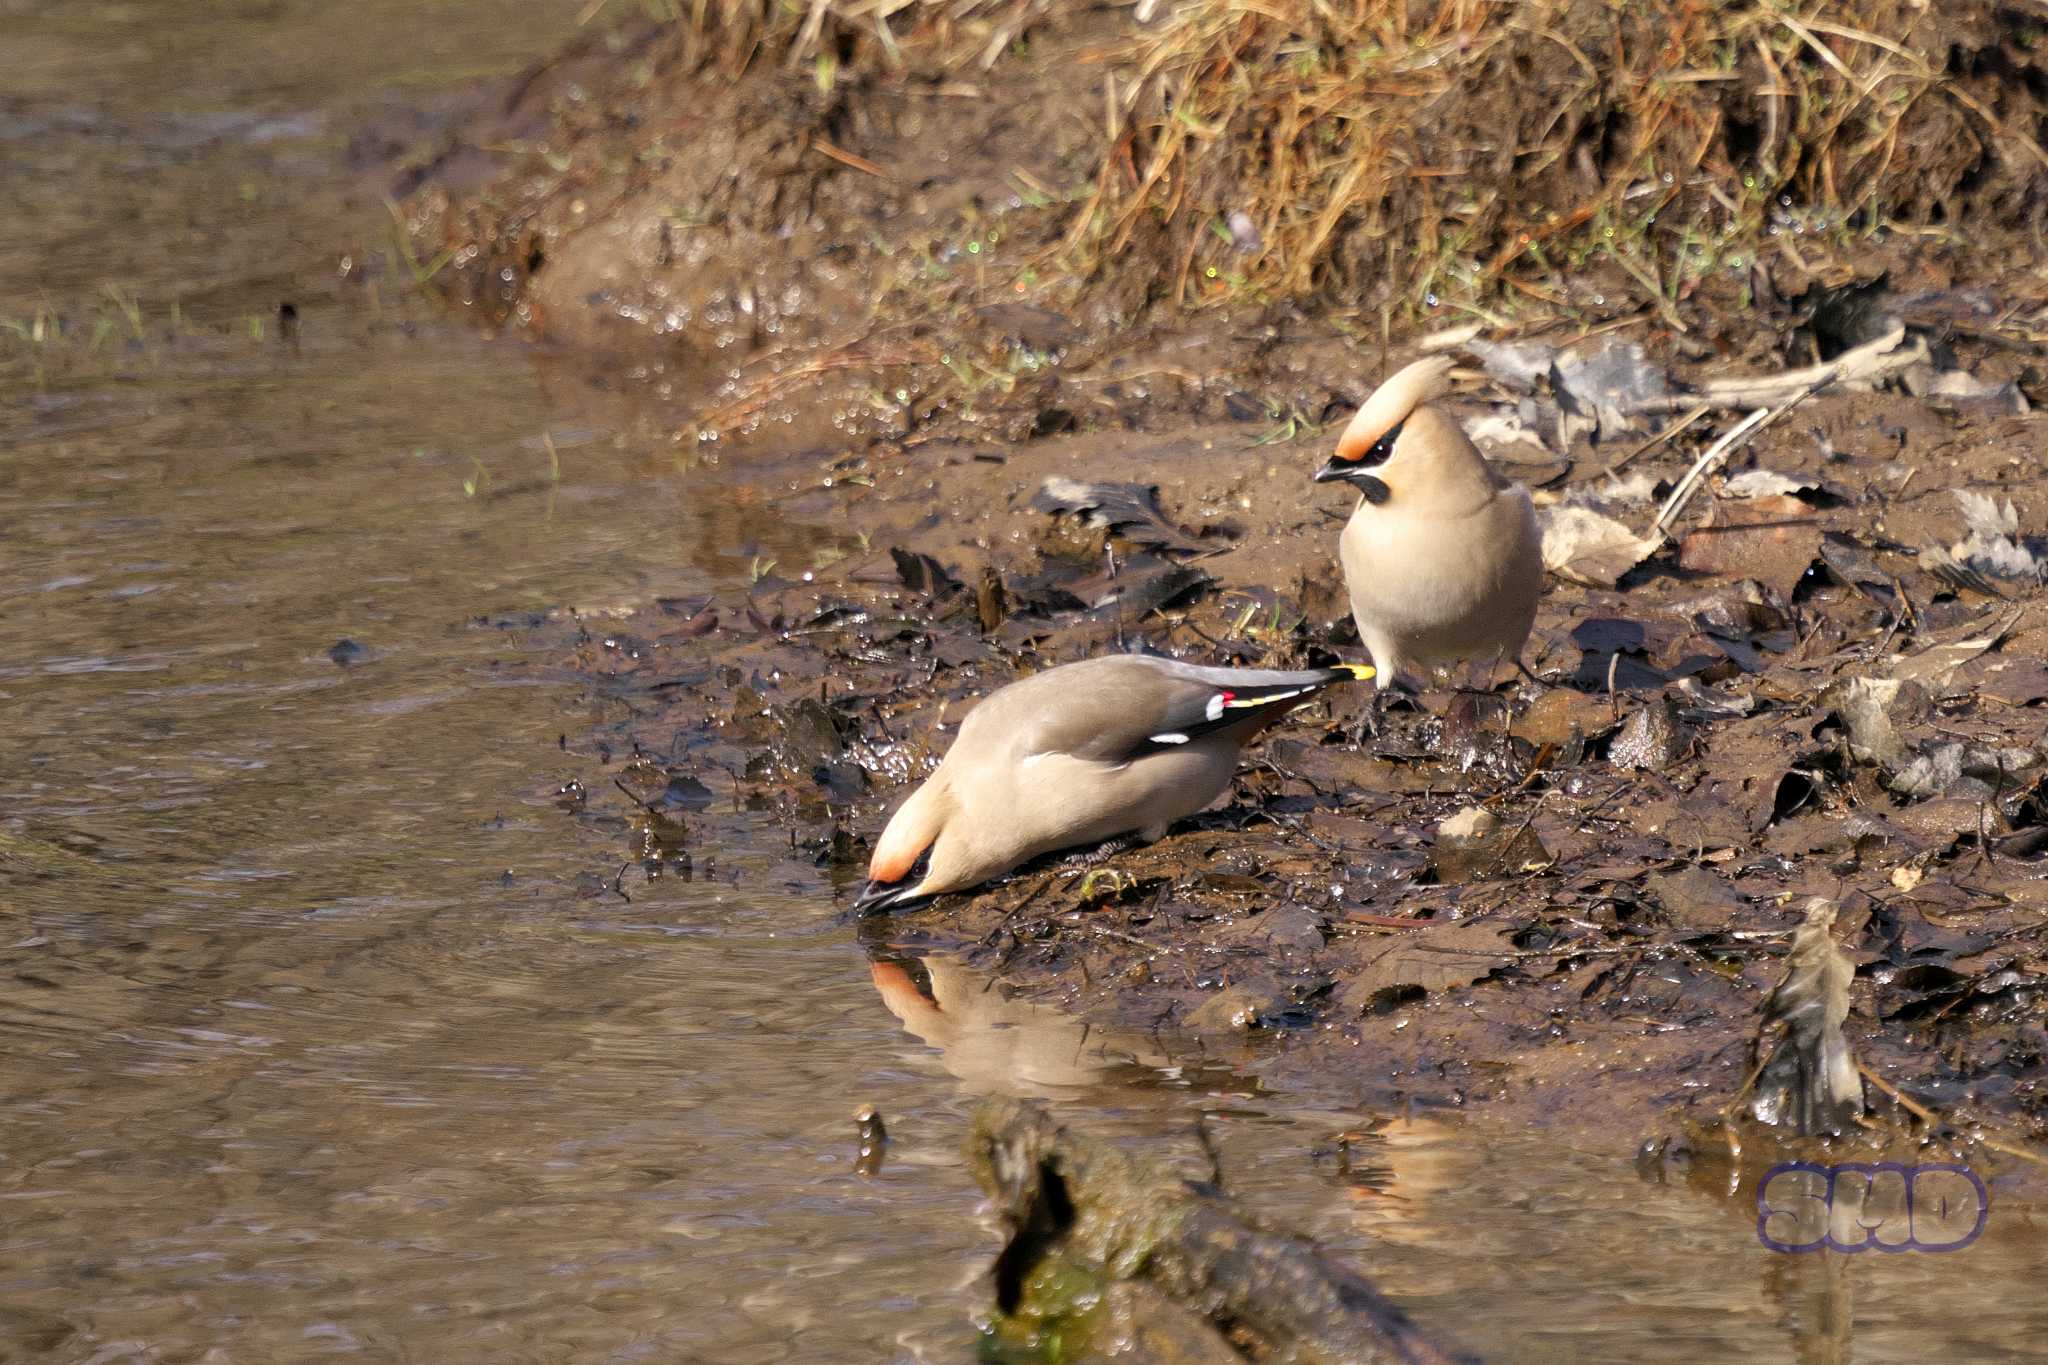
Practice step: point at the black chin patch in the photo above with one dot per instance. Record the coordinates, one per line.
(1371, 489)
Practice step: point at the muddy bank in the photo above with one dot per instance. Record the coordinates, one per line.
(1826, 684)
(895, 279)
(845, 222)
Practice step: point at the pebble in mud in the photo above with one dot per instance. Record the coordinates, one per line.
(346, 652)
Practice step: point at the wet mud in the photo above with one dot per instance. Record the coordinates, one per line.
(1562, 898)
(334, 1027)
(993, 401)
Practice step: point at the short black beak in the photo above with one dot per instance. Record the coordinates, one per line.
(1370, 487)
(885, 896)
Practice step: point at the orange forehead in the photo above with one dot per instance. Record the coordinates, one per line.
(1391, 403)
(891, 862)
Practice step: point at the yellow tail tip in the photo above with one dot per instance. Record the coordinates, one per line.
(1361, 672)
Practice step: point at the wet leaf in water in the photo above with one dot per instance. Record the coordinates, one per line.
(1475, 843)
(1238, 1009)
(991, 605)
(1562, 712)
(1694, 898)
(922, 574)
(686, 792)
(1131, 509)
(1139, 587)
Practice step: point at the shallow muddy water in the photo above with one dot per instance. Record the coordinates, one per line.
(328, 1029)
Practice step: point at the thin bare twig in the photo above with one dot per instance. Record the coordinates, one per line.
(1699, 411)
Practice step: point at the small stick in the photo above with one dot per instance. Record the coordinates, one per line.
(1386, 921)
(1868, 363)
(1744, 431)
(1712, 456)
(845, 158)
(1448, 339)
(1660, 438)
(1507, 844)
(1917, 1110)
(1929, 1117)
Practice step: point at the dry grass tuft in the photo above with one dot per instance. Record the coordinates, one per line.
(734, 34)
(1462, 146)
(744, 176)
(1388, 151)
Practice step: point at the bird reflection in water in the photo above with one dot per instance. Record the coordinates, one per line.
(999, 1045)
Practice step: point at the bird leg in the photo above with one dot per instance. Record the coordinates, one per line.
(1373, 715)
(1365, 732)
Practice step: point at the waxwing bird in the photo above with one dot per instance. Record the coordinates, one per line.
(1442, 558)
(1076, 755)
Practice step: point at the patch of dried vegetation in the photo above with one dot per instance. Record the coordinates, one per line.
(1380, 154)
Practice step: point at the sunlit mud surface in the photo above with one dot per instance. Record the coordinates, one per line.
(321, 1034)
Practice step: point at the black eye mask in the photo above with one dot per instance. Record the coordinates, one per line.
(1358, 472)
(894, 895)
(1382, 449)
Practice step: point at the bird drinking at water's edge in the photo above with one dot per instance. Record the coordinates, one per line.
(1075, 755)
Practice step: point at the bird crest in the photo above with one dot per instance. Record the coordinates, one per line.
(1382, 414)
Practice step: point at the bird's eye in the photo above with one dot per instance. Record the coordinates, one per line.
(920, 869)
(1383, 449)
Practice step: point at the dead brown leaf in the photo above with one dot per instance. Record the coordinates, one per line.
(1773, 540)
(1443, 957)
(1590, 547)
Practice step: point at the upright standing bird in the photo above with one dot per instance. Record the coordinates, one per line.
(1442, 557)
(1075, 755)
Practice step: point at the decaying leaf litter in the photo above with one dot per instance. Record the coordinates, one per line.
(1753, 319)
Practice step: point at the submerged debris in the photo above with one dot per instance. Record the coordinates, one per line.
(1105, 1252)
(873, 1139)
